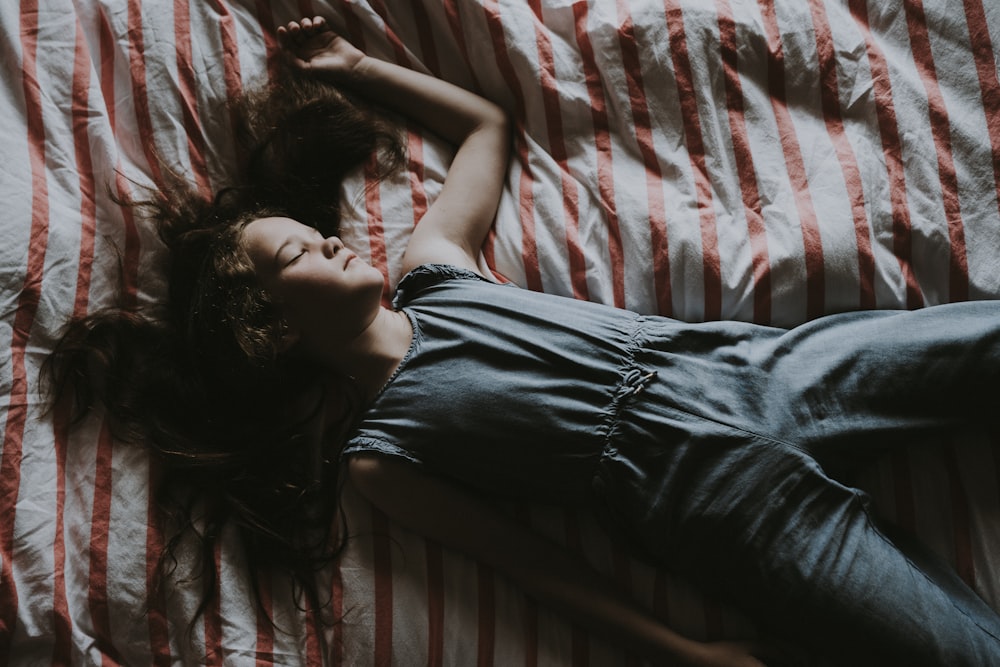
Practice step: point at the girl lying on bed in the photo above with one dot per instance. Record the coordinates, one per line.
(706, 446)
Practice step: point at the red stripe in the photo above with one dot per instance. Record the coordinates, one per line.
(212, 617)
(130, 255)
(602, 142)
(812, 242)
(688, 96)
(354, 28)
(314, 630)
(159, 640)
(188, 98)
(486, 631)
(107, 43)
(231, 71)
(557, 149)
(415, 162)
(529, 248)
(435, 604)
(271, 47)
(137, 70)
(264, 652)
(81, 112)
(337, 600)
(747, 173)
(382, 571)
(415, 144)
(961, 519)
(889, 130)
(451, 13)
(425, 35)
(100, 527)
(830, 101)
(373, 202)
(920, 46)
(156, 614)
(654, 177)
(196, 151)
(62, 621)
(24, 317)
(414, 141)
(982, 51)
(398, 48)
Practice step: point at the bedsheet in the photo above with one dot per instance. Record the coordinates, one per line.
(768, 161)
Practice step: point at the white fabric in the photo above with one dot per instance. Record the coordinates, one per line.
(769, 161)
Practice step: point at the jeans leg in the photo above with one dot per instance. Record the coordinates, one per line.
(852, 383)
(722, 477)
(805, 556)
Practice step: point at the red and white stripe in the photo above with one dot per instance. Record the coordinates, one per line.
(768, 161)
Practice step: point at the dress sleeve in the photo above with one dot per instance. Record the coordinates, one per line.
(368, 445)
(428, 275)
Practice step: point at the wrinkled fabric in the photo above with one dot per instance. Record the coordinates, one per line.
(708, 446)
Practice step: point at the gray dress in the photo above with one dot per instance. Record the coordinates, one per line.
(708, 446)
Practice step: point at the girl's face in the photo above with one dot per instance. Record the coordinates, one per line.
(322, 288)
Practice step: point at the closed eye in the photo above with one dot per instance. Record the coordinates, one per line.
(303, 244)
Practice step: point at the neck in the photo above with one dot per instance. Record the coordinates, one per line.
(372, 356)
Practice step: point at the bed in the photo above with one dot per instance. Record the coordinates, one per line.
(768, 161)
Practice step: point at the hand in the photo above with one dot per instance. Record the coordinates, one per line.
(310, 44)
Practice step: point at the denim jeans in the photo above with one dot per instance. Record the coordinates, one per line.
(721, 465)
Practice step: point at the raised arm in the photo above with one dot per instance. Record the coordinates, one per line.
(448, 515)
(455, 226)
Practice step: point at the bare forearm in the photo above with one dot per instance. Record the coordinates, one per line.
(455, 225)
(466, 205)
(541, 568)
(444, 108)
(590, 600)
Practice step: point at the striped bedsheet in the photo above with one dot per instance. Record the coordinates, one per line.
(769, 161)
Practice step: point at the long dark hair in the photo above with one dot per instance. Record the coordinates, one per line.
(240, 435)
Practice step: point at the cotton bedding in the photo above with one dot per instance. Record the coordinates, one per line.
(768, 161)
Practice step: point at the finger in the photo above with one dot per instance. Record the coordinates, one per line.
(288, 36)
(284, 38)
(307, 24)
